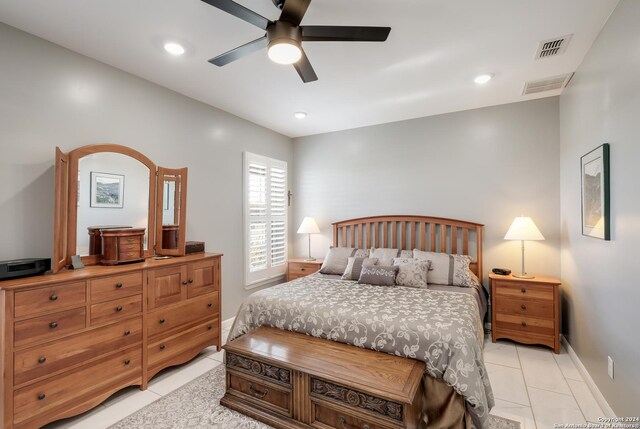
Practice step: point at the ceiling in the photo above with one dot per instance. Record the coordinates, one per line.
(426, 67)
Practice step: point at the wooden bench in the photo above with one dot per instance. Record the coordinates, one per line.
(291, 380)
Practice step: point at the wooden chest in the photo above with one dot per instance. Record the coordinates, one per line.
(272, 377)
(120, 246)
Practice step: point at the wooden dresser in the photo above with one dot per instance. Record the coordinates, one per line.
(526, 310)
(272, 377)
(70, 340)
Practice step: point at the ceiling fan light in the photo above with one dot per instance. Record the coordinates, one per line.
(284, 52)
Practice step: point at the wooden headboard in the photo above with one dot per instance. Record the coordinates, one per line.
(434, 234)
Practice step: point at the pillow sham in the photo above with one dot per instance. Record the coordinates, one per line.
(385, 256)
(336, 260)
(446, 269)
(378, 275)
(411, 272)
(354, 267)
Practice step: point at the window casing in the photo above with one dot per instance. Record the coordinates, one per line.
(265, 219)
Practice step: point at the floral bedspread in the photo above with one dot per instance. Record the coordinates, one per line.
(442, 329)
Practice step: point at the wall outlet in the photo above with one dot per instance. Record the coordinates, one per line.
(610, 366)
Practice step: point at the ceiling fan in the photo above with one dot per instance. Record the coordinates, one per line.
(284, 36)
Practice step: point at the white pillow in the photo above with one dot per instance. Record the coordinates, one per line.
(446, 269)
(355, 265)
(411, 272)
(385, 256)
(336, 260)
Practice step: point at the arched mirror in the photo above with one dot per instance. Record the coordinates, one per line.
(106, 195)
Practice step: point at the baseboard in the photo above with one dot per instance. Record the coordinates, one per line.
(604, 405)
(226, 324)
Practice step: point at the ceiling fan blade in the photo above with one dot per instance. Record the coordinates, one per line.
(240, 11)
(239, 52)
(294, 10)
(304, 69)
(330, 33)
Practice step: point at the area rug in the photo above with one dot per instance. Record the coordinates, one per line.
(196, 405)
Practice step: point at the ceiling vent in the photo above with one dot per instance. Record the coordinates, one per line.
(553, 47)
(547, 84)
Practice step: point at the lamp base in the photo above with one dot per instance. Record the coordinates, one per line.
(309, 259)
(523, 276)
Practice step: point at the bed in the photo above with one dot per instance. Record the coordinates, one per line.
(440, 325)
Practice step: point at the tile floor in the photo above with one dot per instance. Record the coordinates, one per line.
(531, 385)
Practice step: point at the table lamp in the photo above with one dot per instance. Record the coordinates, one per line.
(523, 229)
(309, 226)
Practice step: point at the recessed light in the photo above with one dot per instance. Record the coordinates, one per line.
(483, 78)
(300, 115)
(174, 48)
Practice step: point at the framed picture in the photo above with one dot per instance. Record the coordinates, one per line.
(107, 190)
(594, 168)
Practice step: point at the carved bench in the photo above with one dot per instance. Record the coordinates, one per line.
(291, 380)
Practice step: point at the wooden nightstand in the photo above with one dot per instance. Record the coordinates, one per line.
(526, 310)
(298, 267)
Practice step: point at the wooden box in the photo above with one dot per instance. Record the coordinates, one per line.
(120, 246)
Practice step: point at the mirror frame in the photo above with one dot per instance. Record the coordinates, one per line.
(181, 220)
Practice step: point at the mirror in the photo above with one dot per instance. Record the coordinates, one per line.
(113, 192)
(170, 212)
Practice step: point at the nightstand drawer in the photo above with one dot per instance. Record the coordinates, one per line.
(526, 324)
(525, 307)
(524, 290)
(300, 269)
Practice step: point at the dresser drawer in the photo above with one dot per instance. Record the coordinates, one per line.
(49, 299)
(108, 288)
(58, 393)
(47, 359)
(300, 269)
(525, 307)
(49, 326)
(524, 290)
(117, 309)
(197, 338)
(324, 415)
(266, 395)
(163, 320)
(525, 324)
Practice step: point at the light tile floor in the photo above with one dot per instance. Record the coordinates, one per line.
(531, 385)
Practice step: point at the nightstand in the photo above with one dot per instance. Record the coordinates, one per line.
(526, 310)
(298, 267)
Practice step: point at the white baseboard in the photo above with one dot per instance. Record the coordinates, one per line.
(226, 324)
(604, 405)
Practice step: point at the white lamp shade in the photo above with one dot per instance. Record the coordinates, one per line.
(308, 226)
(523, 228)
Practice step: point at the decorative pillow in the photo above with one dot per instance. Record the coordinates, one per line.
(406, 254)
(446, 269)
(336, 260)
(354, 267)
(385, 256)
(378, 275)
(411, 272)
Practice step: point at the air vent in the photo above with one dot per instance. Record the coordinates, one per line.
(547, 84)
(553, 47)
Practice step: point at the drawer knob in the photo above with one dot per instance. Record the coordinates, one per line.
(209, 305)
(190, 281)
(161, 321)
(524, 323)
(184, 282)
(42, 359)
(127, 361)
(118, 285)
(524, 307)
(209, 327)
(41, 396)
(53, 297)
(523, 290)
(257, 394)
(119, 308)
(53, 325)
(162, 346)
(126, 333)
(343, 423)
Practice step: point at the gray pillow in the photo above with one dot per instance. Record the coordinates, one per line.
(336, 260)
(412, 272)
(379, 275)
(446, 269)
(354, 267)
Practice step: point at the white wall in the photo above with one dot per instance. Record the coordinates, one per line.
(50, 97)
(487, 165)
(601, 295)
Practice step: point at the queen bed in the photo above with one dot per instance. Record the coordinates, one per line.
(440, 324)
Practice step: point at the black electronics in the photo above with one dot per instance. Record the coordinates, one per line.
(24, 267)
(501, 271)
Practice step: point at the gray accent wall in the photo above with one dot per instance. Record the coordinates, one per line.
(50, 96)
(600, 283)
(487, 165)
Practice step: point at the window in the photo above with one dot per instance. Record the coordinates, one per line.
(265, 218)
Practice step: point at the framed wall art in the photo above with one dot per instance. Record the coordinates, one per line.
(107, 190)
(594, 170)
